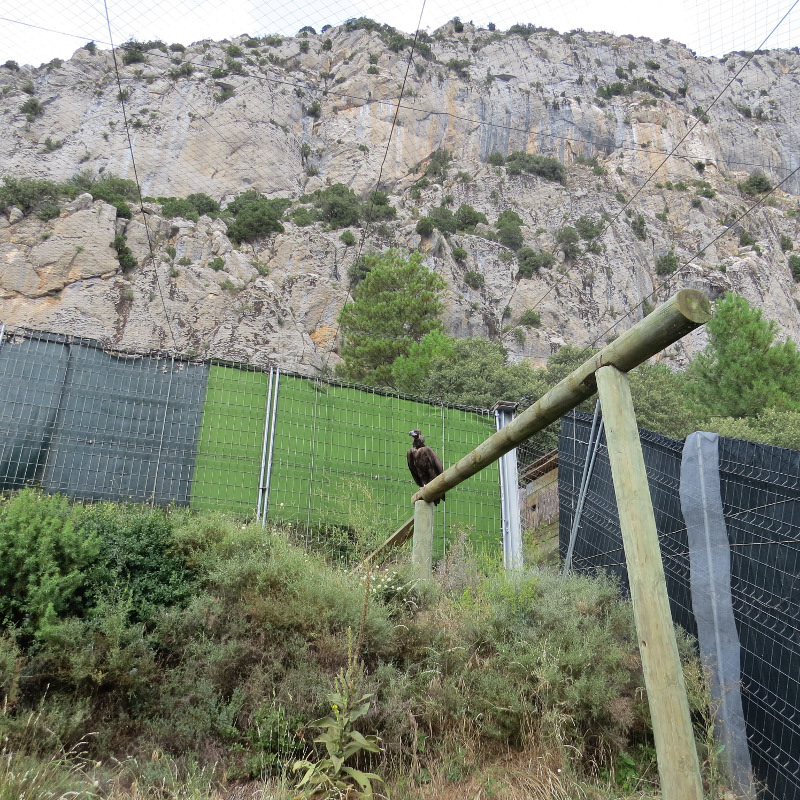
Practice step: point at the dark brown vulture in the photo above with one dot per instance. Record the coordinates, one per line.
(423, 462)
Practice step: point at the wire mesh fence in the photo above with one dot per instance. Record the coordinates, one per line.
(97, 425)
(760, 488)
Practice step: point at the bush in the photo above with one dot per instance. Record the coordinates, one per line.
(336, 205)
(460, 66)
(314, 110)
(568, 238)
(639, 227)
(372, 70)
(255, 217)
(531, 319)
(530, 262)
(474, 279)
(424, 226)
(786, 243)
(378, 207)
(460, 254)
(667, 263)
(467, 217)
(225, 93)
(348, 238)
(546, 167)
(45, 561)
(12, 65)
(126, 259)
(439, 164)
(746, 239)
(496, 159)
(443, 219)
(31, 194)
(32, 108)
(794, 266)
(217, 263)
(756, 183)
(302, 216)
(327, 44)
(111, 189)
(588, 228)
(185, 70)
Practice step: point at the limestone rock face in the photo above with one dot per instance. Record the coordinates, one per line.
(287, 122)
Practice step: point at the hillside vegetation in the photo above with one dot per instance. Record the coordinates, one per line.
(164, 654)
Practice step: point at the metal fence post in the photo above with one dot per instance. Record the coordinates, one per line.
(509, 493)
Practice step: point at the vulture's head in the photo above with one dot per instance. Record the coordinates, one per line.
(417, 436)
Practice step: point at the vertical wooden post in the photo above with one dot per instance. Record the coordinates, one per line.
(678, 765)
(422, 548)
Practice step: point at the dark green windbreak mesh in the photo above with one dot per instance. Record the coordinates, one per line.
(339, 453)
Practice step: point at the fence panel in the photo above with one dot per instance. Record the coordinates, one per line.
(760, 487)
(110, 426)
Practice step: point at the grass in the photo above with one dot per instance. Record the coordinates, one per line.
(512, 686)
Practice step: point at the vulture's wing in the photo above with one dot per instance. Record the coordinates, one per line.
(437, 462)
(412, 465)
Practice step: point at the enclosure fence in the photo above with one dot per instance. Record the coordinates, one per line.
(759, 488)
(97, 425)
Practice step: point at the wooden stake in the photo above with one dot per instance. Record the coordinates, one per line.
(678, 765)
(422, 548)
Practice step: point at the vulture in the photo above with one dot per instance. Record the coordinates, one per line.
(423, 462)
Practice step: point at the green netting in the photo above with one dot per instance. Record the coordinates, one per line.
(229, 449)
(337, 449)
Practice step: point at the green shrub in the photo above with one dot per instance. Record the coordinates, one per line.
(348, 238)
(496, 159)
(459, 254)
(639, 227)
(588, 228)
(460, 66)
(439, 164)
(46, 561)
(667, 263)
(126, 259)
(302, 216)
(314, 110)
(327, 44)
(178, 207)
(304, 47)
(424, 226)
(185, 70)
(255, 217)
(32, 108)
(652, 65)
(336, 205)
(443, 219)
(794, 266)
(12, 65)
(530, 262)
(177, 48)
(786, 243)
(474, 279)
(228, 286)
(546, 167)
(378, 207)
(746, 239)
(217, 263)
(48, 212)
(372, 70)
(31, 194)
(467, 217)
(225, 93)
(756, 183)
(530, 319)
(568, 238)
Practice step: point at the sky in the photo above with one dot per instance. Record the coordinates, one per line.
(709, 27)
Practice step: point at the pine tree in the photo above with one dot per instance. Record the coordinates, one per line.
(394, 306)
(743, 370)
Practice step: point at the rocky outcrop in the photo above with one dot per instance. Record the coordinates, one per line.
(298, 121)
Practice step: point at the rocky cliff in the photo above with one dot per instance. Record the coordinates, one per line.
(288, 116)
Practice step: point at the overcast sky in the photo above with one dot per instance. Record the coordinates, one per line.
(710, 27)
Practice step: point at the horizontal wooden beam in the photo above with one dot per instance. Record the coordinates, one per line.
(681, 314)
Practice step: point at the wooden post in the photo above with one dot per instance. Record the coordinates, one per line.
(678, 765)
(682, 313)
(422, 547)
